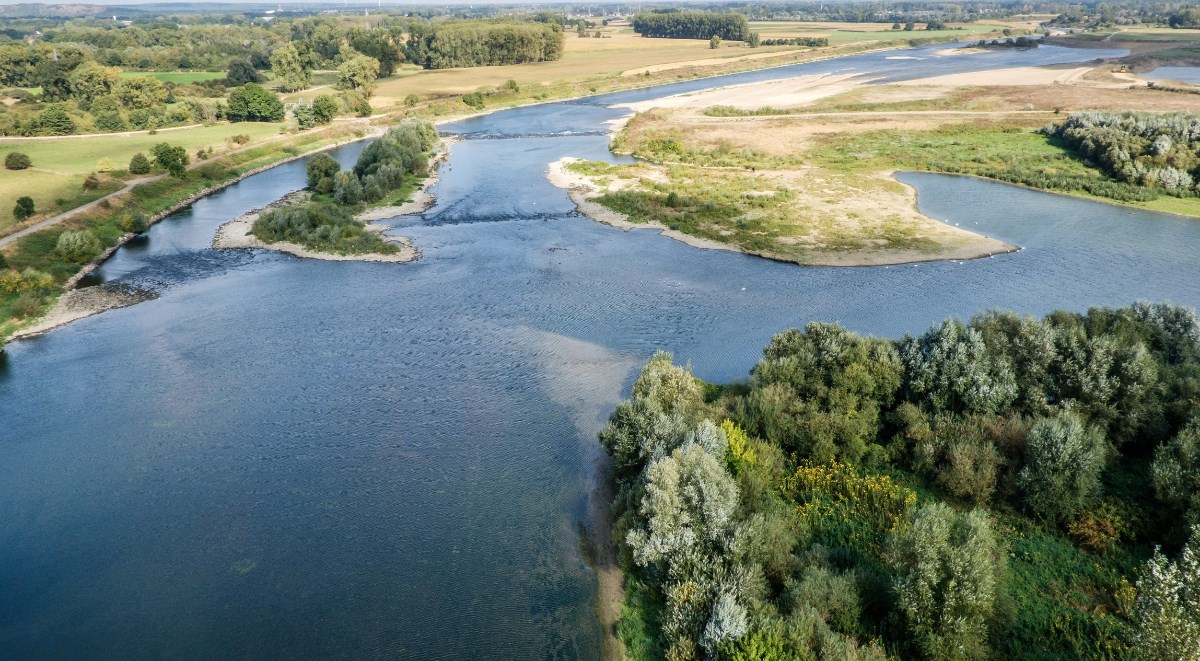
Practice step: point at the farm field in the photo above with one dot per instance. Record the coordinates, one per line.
(848, 33)
(177, 77)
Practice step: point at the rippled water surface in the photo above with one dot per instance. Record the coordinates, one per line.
(282, 458)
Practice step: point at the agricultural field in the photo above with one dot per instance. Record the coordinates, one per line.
(848, 33)
(177, 77)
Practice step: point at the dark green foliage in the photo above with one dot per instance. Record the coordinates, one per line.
(242, 72)
(139, 164)
(380, 44)
(324, 227)
(254, 103)
(325, 108)
(24, 208)
(808, 42)
(473, 99)
(55, 121)
(320, 167)
(692, 25)
(475, 44)
(819, 393)
(15, 160)
(173, 158)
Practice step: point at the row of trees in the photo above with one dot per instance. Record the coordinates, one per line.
(692, 25)
(476, 43)
(1155, 151)
(862, 498)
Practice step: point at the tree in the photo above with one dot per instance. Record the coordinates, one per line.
(174, 159)
(91, 80)
(140, 92)
(754, 41)
(289, 69)
(1167, 610)
(325, 107)
(379, 44)
(947, 566)
(305, 116)
(896, 25)
(24, 208)
(714, 42)
(254, 103)
(358, 73)
(15, 160)
(55, 121)
(139, 164)
(1063, 462)
(473, 99)
(79, 247)
(950, 369)
(1176, 471)
(909, 26)
(347, 189)
(319, 167)
(242, 72)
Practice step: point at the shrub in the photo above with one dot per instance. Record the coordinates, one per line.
(79, 246)
(844, 509)
(1176, 471)
(325, 107)
(319, 226)
(1063, 462)
(474, 99)
(832, 595)
(173, 158)
(411, 100)
(320, 167)
(950, 369)
(254, 103)
(139, 164)
(29, 304)
(134, 222)
(947, 566)
(15, 160)
(1167, 610)
(961, 459)
(24, 208)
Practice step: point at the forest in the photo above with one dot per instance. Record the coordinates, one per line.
(1008, 487)
(1155, 151)
(692, 25)
(476, 43)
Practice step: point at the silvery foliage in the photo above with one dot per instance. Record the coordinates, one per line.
(951, 369)
(1029, 344)
(1110, 380)
(674, 388)
(1063, 462)
(1107, 138)
(1176, 471)
(728, 621)
(1162, 145)
(1178, 327)
(1167, 610)
(946, 568)
(639, 433)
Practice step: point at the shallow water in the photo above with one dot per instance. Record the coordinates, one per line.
(282, 457)
(1182, 74)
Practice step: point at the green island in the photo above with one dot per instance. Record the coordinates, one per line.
(1007, 487)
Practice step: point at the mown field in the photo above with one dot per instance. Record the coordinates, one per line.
(177, 77)
(60, 165)
(846, 33)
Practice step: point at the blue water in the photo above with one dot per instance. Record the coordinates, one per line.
(282, 458)
(1182, 74)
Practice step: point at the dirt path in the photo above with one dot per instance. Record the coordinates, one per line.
(54, 220)
(82, 136)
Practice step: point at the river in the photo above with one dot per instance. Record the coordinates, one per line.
(283, 458)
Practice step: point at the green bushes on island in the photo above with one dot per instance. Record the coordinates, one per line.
(692, 25)
(991, 489)
(1153, 151)
(387, 169)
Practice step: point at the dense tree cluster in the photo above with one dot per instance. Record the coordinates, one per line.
(809, 42)
(692, 25)
(862, 498)
(320, 226)
(444, 45)
(1155, 151)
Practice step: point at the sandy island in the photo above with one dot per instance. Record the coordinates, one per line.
(956, 243)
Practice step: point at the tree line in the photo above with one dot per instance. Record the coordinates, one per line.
(477, 43)
(1154, 151)
(1008, 487)
(692, 25)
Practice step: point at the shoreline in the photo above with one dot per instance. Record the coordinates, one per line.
(581, 191)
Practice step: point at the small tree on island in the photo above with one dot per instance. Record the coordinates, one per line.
(320, 168)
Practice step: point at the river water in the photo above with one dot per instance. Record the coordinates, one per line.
(282, 458)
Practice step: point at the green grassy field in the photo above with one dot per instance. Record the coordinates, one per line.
(847, 33)
(60, 166)
(177, 77)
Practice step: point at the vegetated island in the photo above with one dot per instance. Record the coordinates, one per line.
(1004, 488)
(801, 170)
(330, 219)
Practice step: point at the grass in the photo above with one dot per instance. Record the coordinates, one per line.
(60, 165)
(839, 33)
(177, 77)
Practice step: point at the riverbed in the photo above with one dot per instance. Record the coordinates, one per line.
(282, 458)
